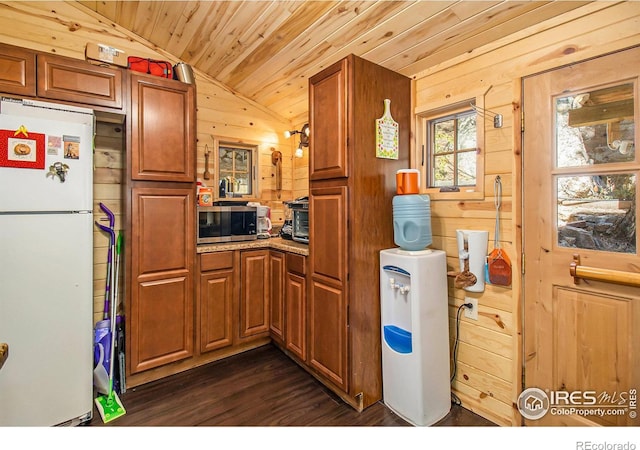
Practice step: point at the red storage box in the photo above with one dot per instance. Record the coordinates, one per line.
(155, 67)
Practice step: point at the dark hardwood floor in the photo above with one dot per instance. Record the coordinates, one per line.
(262, 387)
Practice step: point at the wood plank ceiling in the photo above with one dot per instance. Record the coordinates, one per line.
(266, 50)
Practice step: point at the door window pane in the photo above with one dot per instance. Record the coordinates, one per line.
(595, 127)
(597, 212)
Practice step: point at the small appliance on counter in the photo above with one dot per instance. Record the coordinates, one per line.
(287, 226)
(229, 223)
(300, 219)
(263, 226)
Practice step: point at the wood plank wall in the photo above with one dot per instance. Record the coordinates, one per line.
(65, 28)
(489, 357)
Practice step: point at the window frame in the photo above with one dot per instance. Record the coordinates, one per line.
(423, 120)
(254, 150)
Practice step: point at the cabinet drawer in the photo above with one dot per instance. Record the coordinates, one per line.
(296, 264)
(216, 261)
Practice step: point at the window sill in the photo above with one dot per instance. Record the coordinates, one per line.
(472, 194)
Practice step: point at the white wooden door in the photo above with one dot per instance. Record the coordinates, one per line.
(580, 173)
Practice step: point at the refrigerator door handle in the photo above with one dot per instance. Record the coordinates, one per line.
(4, 353)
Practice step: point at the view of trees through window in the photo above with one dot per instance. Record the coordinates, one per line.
(453, 150)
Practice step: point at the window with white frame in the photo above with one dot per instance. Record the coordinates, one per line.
(236, 168)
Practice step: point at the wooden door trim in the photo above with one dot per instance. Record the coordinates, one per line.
(518, 241)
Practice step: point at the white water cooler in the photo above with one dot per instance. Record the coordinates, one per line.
(415, 334)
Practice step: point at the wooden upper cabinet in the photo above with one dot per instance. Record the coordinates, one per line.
(328, 137)
(163, 123)
(17, 70)
(73, 80)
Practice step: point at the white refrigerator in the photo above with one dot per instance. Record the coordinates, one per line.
(46, 263)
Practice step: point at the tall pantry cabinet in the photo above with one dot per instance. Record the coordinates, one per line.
(160, 211)
(350, 208)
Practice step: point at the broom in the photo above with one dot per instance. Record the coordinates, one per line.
(109, 406)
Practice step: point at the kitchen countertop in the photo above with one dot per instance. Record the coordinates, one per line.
(276, 243)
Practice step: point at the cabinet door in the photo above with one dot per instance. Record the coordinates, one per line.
(276, 301)
(254, 293)
(296, 315)
(216, 299)
(328, 232)
(328, 331)
(328, 123)
(162, 129)
(162, 251)
(327, 320)
(72, 80)
(17, 70)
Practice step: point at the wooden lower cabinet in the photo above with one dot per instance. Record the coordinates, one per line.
(276, 296)
(160, 301)
(215, 318)
(254, 293)
(296, 306)
(328, 314)
(328, 332)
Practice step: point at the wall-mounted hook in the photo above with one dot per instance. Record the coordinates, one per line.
(207, 174)
(497, 118)
(276, 160)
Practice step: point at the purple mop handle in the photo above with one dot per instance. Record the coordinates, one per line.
(112, 217)
(107, 288)
(112, 238)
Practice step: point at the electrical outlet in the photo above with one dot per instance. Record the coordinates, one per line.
(471, 313)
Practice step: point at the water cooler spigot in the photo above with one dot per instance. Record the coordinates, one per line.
(402, 288)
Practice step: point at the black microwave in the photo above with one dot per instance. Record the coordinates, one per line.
(226, 224)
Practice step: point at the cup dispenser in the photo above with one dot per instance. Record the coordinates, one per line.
(472, 252)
